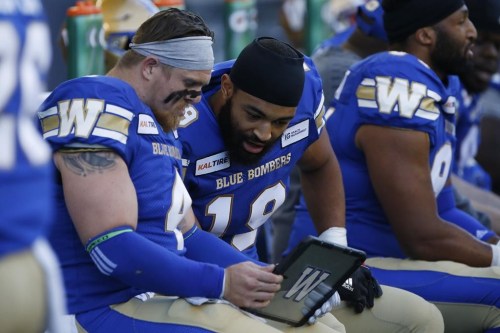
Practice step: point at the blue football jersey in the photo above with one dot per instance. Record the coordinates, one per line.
(468, 135)
(105, 112)
(233, 200)
(25, 167)
(391, 89)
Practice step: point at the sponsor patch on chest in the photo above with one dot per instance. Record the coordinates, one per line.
(212, 163)
(147, 125)
(295, 133)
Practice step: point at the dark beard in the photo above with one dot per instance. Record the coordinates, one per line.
(233, 139)
(447, 57)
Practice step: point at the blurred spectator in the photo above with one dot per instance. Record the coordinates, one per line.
(475, 78)
(489, 154)
(297, 16)
(121, 20)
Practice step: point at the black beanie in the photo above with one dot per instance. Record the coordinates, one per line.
(403, 19)
(273, 76)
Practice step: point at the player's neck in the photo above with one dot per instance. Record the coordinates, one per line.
(216, 101)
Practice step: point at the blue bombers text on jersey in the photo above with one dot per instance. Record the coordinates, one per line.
(105, 112)
(233, 200)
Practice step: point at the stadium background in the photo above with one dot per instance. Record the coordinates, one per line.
(211, 10)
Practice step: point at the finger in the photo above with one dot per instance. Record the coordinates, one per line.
(268, 268)
(268, 287)
(377, 288)
(370, 300)
(262, 296)
(314, 297)
(266, 275)
(323, 288)
(309, 303)
(258, 304)
(363, 290)
(327, 306)
(359, 306)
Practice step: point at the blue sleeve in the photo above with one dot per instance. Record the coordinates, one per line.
(205, 247)
(127, 256)
(448, 211)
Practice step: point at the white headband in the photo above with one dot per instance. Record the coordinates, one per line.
(193, 53)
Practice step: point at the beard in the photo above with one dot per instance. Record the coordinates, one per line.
(173, 122)
(171, 114)
(168, 120)
(448, 56)
(233, 138)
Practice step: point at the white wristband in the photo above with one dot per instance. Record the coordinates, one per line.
(495, 249)
(335, 235)
(223, 286)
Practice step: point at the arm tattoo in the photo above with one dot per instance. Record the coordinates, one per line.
(86, 163)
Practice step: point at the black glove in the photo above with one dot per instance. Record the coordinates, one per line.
(360, 290)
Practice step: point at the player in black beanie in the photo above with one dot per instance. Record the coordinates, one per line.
(402, 18)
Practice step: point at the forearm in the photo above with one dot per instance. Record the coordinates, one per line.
(131, 258)
(324, 194)
(432, 234)
(450, 242)
(203, 246)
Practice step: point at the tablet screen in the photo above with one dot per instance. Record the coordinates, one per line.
(312, 273)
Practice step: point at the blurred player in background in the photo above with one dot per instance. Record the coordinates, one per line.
(30, 284)
(470, 179)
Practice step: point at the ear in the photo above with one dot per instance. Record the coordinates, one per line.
(226, 86)
(147, 67)
(426, 36)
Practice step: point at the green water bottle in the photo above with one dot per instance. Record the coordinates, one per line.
(316, 26)
(164, 4)
(84, 24)
(240, 25)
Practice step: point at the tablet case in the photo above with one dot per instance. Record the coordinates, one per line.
(312, 273)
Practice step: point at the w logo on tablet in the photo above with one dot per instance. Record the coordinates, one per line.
(310, 278)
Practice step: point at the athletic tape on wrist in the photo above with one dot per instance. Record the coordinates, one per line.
(223, 286)
(495, 261)
(337, 235)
